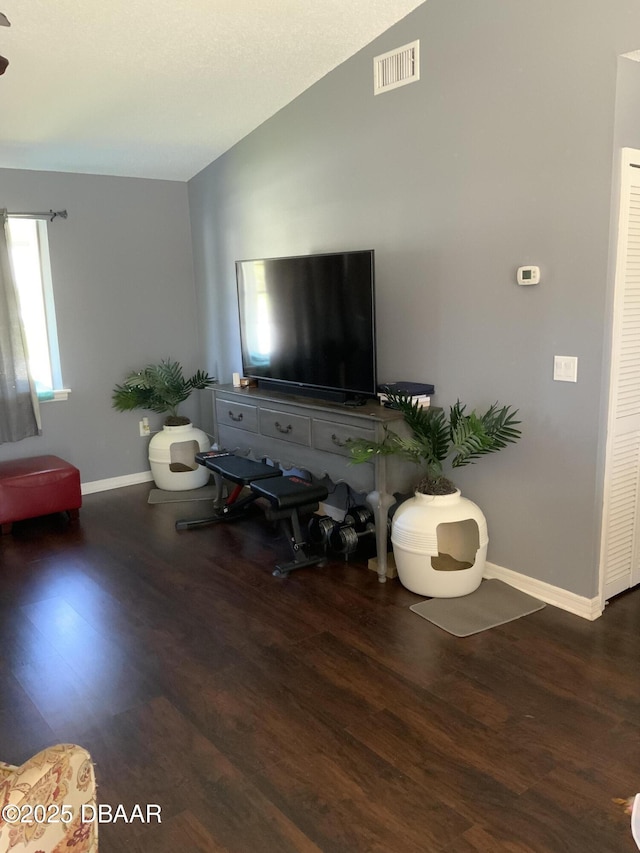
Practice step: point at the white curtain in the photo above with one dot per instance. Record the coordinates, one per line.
(19, 412)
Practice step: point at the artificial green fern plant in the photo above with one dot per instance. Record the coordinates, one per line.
(160, 388)
(437, 439)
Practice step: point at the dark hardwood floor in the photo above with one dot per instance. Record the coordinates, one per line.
(316, 713)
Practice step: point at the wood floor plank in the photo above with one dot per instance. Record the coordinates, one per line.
(104, 671)
(23, 731)
(478, 839)
(348, 799)
(182, 832)
(606, 679)
(189, 775)
(58, 694)
(472, 699)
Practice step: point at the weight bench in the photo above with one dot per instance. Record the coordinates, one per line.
(286, 498)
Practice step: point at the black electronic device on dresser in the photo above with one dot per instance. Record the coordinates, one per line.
(307, 324)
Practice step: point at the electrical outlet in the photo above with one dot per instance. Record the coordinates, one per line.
(143, 425)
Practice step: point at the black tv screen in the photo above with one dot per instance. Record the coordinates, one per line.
(308, 322)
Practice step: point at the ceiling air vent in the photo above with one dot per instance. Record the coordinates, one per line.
(396, 68)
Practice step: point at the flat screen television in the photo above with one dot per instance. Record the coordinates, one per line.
(307, 324)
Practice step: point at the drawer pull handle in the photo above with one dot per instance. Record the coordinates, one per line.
(283, 430)
(235, 418)
(337, 442)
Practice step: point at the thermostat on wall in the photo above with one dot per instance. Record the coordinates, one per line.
(528, 275)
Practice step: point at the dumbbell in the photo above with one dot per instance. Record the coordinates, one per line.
(358, 517)
(358, 524)
(319, 529)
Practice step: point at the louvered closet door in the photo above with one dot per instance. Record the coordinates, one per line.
(620, 568)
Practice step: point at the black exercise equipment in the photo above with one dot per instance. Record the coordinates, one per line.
(286, 498)
(238, 470)
(358, 524)
(319, 530)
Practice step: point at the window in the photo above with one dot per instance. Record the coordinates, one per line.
(29, 249)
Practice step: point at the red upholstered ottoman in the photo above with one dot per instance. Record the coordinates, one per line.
(38, 485)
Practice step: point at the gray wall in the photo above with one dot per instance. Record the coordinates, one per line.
(124, 292)
(500, 156)
(627, 115)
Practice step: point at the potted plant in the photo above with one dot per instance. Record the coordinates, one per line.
(161, 388)
(440, 538)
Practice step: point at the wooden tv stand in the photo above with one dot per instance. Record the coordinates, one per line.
(311, 434)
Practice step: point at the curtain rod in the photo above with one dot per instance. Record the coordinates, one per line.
(50, 215)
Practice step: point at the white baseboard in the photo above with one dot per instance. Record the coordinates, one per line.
(588, 608)
(116, 482)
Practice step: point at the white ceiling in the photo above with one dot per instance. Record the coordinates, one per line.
(160, 88)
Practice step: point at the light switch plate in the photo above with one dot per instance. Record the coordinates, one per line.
(565, 368)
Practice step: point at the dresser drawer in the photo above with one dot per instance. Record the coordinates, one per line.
(333, 437)
(238, 415)
(286, 426)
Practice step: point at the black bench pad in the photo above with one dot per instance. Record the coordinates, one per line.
(289, 492)
(240, 470)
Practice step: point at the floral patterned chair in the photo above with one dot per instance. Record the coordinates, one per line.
(47, 804)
